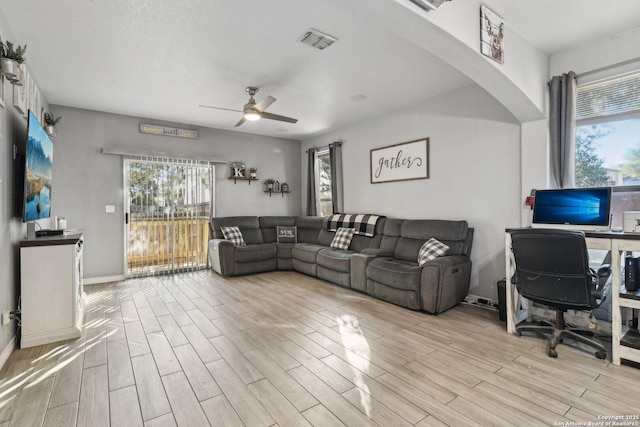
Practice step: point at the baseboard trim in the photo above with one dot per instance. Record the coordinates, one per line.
(4, 356)
(104, 279)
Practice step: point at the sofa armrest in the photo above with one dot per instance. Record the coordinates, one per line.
(358, 269)
(221, 256)
(444, 282)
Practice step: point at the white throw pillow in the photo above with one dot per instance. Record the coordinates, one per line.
(234, 235)
(431, 249)
(342, 239)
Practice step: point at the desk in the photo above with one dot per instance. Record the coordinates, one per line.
(616, 242)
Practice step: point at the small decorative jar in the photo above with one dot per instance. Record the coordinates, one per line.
(284, 187)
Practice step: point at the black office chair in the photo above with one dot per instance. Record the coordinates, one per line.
(552, 268)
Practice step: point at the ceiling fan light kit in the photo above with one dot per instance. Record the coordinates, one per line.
(252, 114)
(253, 111)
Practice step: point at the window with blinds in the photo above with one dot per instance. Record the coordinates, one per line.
(607, 144)
(611, 99)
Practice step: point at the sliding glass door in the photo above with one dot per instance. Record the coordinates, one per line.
(168, 208)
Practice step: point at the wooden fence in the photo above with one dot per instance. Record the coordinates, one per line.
(157, 245)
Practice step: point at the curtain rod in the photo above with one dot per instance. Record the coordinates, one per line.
(323, 147)
(608, 67)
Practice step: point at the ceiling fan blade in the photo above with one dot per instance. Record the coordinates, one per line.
(264, 104)
(220, 108)
(242, 120)
(277, 117)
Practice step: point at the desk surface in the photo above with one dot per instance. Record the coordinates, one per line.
(603, 234)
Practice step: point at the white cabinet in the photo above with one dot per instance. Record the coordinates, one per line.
(52, 301)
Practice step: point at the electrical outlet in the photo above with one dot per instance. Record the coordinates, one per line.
(6, 317)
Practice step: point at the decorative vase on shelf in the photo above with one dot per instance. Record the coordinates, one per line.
(269, 187)
(12, 70)
(253, 175)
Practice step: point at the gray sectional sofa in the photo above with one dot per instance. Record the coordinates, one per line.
(384, 266)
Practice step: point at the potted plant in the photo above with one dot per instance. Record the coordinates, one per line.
(10, 60)
(50, 123)
(269, 183)
(252, 172)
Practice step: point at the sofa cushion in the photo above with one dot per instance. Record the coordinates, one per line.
(335, 259)
(269, 224)
(414, 233)
(308, 228)
(248, 225)
(306, 252)
(233, 235)
(395, 273)
(342, 239)
(252, 253)
(285, 249)
(432, 249)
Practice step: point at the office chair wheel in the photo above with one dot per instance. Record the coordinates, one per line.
(552, 353)
(601, 354)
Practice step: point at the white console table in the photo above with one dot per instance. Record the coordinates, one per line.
(623, 345)
(52, 300)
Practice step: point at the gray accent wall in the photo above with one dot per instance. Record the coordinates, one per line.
(474, 170)
(86, 180)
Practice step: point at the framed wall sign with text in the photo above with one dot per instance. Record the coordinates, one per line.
(400, 162)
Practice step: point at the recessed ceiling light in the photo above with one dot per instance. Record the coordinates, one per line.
(357, 98)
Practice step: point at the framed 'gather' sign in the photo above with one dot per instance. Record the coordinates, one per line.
(400, 162)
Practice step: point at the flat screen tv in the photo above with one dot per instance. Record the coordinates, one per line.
(38, 168)
(583, 208)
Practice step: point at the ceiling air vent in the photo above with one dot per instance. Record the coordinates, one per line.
(317, 39)
(428, 4)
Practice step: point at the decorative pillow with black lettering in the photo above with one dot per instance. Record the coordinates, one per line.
(431, 250)
(342, 239)
(234, 235)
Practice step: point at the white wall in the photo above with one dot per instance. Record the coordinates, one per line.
(453, 35)
(13, 131)
(85, 179)
(474, 171)
(603, 53)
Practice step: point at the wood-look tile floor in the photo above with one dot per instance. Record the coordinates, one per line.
(284, 349)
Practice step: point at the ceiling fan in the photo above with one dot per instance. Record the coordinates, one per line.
(253, 111)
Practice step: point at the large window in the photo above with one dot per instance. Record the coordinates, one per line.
(608, 139)
(323, 180)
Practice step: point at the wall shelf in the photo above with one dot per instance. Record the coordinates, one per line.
(280, 192)
(242, 178)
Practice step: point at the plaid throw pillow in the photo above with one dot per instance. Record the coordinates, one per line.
(234, 235)
(431, 249)
(342, 239)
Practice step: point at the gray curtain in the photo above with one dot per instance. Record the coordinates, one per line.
(562, 130)
(335, 160)
(312, 209)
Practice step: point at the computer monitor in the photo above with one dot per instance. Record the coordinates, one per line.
(576, 208)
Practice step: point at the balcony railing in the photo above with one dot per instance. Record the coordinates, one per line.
(159, 245)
